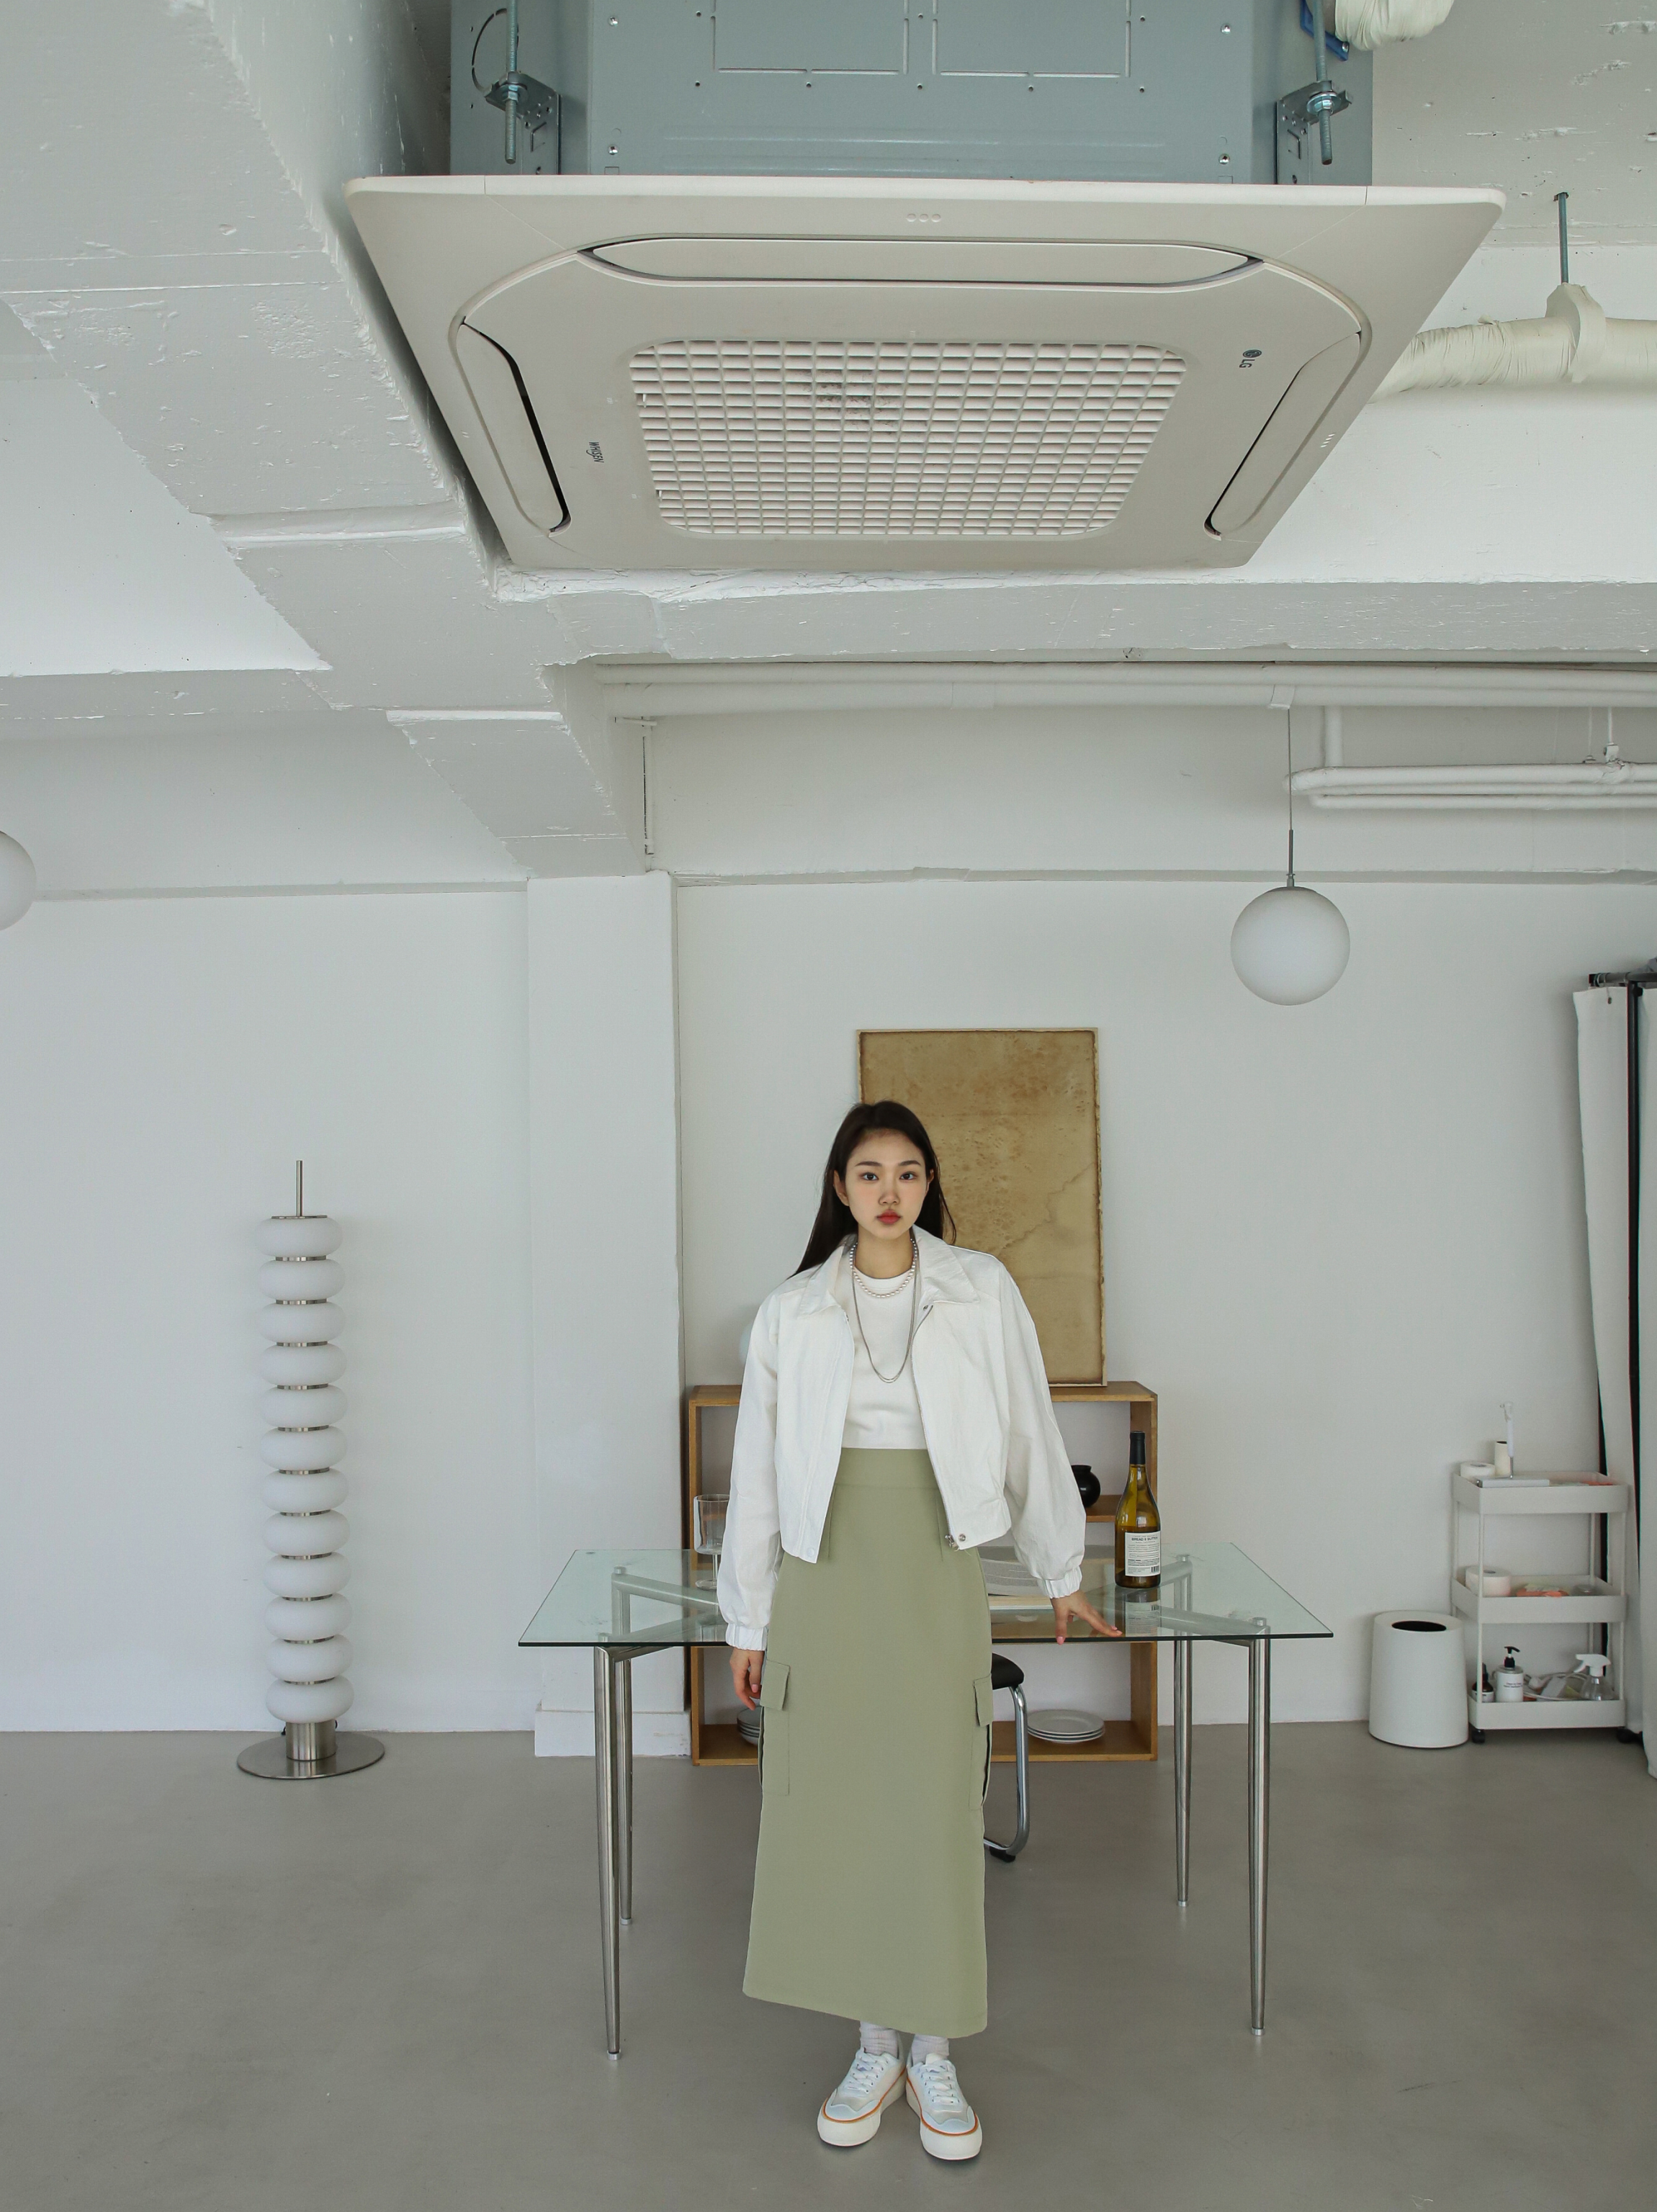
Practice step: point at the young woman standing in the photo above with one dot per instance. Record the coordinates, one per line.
(895, 1415)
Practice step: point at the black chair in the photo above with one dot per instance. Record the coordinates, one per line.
(1004, 1675)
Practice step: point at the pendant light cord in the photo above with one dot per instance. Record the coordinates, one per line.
(1288, 745)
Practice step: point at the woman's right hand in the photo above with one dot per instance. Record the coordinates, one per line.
(746, 1667)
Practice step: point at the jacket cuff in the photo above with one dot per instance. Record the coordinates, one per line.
(742, 1638)
(1062, 1585)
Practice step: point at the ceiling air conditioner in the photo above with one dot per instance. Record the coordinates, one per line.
(870, 373)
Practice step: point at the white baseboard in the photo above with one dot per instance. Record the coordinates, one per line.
(569, 1734)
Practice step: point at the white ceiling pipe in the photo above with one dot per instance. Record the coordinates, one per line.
(1536, 775)
(1621, 784)
(1487, 802)
(768, 689)
(1609, 782)
(1366, 23)
(1575, 342)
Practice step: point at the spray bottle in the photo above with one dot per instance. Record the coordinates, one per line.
(1588, 1682)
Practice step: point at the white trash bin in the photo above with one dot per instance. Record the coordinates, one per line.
(1418, 1680)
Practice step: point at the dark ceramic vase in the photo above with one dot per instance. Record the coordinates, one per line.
(1088, 1483)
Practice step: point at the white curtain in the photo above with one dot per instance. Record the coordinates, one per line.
(1602, 1075)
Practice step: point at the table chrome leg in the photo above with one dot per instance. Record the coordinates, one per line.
(607, 1766)
(624, 1791)
(1259, 1788)
(1182, 1768)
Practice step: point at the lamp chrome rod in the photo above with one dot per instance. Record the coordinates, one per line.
(309, 1742)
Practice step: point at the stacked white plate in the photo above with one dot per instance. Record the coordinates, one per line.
(748, 1725)
(1011, 1578)
(1063, 1724)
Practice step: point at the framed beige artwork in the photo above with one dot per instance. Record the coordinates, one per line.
(1015, 1116)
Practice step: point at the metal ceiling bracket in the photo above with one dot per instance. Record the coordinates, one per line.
(536, 103)
(1297, 112)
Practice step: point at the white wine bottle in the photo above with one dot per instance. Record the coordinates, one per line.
(1138, 1526)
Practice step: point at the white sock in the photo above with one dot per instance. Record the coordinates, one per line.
(878, 2042)
(926, 2046)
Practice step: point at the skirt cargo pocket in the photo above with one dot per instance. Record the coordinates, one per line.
(984, 1692)
(774, 1734)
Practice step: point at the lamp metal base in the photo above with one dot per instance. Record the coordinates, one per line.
(309, 1751)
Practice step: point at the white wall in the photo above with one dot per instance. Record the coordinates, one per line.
(317, 802)
(604, 1184)
(1335, 1236)
(166, 1062)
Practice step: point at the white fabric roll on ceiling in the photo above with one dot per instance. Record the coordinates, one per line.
(1366, 23)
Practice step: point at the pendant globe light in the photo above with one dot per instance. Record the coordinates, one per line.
(1290, 945)
(16, 881)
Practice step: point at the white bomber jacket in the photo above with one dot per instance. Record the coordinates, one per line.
(999, 1461)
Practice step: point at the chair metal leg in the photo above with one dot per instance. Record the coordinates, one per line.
(1022, 1771)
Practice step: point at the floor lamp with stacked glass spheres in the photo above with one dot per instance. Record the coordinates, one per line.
(308, 1612)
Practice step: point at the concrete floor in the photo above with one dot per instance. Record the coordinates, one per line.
(382, 1993)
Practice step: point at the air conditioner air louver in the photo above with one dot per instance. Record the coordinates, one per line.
(804, 437)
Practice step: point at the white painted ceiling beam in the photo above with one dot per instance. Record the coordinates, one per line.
(179, 267)
(560, 786)
(1130, 791)
(318, 801)
(741, 618)
(992, 688)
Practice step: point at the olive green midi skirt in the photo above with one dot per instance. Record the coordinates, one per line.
(868, 1889)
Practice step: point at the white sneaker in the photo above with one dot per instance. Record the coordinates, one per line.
(949, 2126)
(852, 2113)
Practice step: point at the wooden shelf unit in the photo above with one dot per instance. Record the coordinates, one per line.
(720, 1743)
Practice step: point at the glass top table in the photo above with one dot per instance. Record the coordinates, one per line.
(651, 1601)
(623, 1604)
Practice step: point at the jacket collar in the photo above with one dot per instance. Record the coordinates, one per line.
(942, 1275)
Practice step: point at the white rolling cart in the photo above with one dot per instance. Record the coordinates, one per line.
(1606, 1604)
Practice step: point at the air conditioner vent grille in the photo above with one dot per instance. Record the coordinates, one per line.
(893, 438)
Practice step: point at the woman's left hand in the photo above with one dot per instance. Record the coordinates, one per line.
(1076, 1608)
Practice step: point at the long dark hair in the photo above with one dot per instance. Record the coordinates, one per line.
(834, 1222)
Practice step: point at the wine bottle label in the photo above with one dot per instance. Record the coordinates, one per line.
(1142, 1551)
